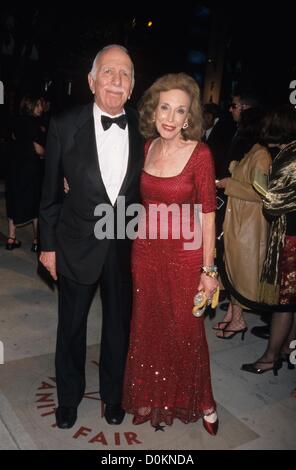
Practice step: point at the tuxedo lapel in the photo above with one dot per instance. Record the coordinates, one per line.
(134, 151)
(87, 153)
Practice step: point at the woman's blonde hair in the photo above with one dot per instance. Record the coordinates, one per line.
(150, 100)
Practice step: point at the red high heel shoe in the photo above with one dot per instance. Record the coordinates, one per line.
(142, 416)
(138, 420)
(211, 428)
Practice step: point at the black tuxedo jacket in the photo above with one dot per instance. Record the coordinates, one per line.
(67, 221)
(219, 142)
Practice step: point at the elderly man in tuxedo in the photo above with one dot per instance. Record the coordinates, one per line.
(99, 150)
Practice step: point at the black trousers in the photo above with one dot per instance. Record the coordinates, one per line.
(74, 304)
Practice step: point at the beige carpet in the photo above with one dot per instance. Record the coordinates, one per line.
(28, 386)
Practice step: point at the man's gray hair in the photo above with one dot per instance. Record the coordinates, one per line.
(93, 71)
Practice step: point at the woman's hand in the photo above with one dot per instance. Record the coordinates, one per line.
(66, 186)
(208, 284)
(222, 183)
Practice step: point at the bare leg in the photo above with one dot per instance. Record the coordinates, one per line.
(11, 230)
(227, 319)
(144, 411)
(35, 228)
(211, 418)
(12, 242)
(237, 321)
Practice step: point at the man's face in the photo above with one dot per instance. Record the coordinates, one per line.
(113, 83)
(236, 108)
(209, 120)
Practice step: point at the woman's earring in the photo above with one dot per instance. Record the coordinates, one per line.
(185, 125)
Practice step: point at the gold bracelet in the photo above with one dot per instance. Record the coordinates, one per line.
(213, 274)
(211, 271)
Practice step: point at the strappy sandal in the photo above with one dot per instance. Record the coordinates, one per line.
(232, 333)
(218, 327)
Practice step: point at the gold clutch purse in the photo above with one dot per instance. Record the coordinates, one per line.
(200, 302)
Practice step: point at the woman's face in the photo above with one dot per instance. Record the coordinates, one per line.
(172, 112)
(38, 110)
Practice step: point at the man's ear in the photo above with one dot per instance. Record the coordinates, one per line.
(91, 83)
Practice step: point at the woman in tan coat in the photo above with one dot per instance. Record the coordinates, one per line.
(245, 228)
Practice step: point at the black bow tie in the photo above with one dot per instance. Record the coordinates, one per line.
(107, 121)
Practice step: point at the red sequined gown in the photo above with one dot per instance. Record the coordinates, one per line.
(167, 372)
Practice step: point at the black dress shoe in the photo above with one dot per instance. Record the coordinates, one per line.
(34, 247)
(223, 295)
(261, 331)
(114, 414)
(15, 244)
(256, 369)
(66, 417)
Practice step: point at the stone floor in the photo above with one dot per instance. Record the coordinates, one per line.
(255, 411)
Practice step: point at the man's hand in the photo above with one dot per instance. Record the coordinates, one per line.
(48, 259)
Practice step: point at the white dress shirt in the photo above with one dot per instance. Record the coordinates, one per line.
(113, 150)
(208, 131)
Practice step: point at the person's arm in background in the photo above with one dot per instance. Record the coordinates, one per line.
(244, 190)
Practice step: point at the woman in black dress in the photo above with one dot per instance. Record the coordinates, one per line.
(23, 184)
(278, 278)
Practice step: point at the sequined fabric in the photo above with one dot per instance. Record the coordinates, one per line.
(168, 373)
(288, 271)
